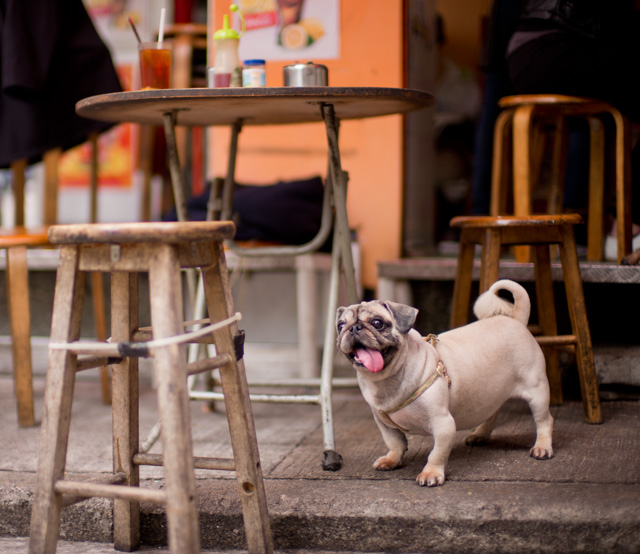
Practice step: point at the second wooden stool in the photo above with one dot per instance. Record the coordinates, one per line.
(526, 114)
(161, 250)
(540, 232)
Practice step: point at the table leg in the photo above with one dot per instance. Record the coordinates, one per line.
(229, 180)
(177, 184)
(174, 166)
(332, 461)
(339, 184)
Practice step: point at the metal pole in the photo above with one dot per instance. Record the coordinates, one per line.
(339, 184)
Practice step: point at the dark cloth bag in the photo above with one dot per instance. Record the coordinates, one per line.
(287, 212)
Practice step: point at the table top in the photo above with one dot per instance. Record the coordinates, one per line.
(254, 106)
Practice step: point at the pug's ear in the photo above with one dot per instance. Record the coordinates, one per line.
(404, 316)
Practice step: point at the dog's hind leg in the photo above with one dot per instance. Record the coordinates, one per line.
(542, 449)
(482, 433)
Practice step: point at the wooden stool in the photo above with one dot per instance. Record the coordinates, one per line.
(526, 114)
(161, 249)
(542, 231)
(16, 242)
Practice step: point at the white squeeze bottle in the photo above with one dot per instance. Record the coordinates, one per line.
(227, 69)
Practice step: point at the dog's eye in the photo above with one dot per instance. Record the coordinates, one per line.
(377, 324)
(340, 326)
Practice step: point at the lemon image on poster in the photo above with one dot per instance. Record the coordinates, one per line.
(297, 36)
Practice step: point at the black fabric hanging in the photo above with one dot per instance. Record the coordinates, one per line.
(51, 56)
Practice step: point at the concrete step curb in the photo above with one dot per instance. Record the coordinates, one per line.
(378, 516)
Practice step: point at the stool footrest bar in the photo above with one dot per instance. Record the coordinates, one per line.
(123, 492)
(115, 479)
(89, 362)
(208, 364)
(199, 462)
(559, 340)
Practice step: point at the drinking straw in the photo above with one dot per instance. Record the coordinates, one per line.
(161, 31)
(133, 28)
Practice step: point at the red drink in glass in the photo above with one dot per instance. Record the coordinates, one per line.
(155, 65)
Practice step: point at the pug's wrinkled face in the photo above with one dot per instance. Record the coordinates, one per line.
(371, 333)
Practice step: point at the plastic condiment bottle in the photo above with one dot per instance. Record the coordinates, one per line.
(227, 69)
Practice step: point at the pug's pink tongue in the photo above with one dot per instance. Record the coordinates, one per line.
(371, 359)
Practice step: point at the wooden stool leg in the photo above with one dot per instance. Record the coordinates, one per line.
(500, 165)
(18, 179)
(20, 320)
(595, 232)
(54, 432)
(165, 290)
(51, 161)
(547, 317)
(124, 320)
(623, 184)
(100, 323)
(462, 285)
(491, 249)
(580, 325)
(239, 412)
(522, 169)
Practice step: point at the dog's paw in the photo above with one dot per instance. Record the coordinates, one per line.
(430, 478)
(386, 463)
(540, 453)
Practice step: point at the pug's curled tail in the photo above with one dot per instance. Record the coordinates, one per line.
(489, 303)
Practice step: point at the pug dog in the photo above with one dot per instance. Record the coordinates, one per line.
(458, 380)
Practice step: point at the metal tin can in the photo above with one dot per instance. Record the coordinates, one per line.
(253, 74)
(306, 75)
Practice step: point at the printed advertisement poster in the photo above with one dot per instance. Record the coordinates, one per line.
(114, 153)
(298, 30)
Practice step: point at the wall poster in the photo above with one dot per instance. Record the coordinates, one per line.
(300, 30)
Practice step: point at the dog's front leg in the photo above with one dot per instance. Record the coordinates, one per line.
(443, 430)
(396, 442)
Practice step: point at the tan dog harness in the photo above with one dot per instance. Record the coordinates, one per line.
(440, 371)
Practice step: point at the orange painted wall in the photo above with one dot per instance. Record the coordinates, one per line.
(371, 55)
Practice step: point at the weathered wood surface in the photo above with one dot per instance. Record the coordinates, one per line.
(159, 231)
(253, 106)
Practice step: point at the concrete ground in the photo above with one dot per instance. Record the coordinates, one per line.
(496, 498)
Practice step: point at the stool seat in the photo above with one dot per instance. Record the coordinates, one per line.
(540, 232)
(525, 117)
(513, 221)
(554, 101)
(161, 250)
(169, 232)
